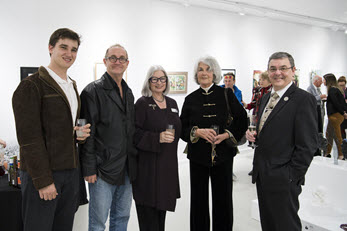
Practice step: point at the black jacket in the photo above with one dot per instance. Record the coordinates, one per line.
(109, 151)
(205, 109)
(335, 102)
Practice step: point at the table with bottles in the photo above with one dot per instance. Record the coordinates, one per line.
(10, 193)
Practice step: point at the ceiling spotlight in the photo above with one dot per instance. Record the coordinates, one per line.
(241, 13)
(346, 31)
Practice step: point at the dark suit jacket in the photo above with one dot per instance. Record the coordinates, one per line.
(288, 139)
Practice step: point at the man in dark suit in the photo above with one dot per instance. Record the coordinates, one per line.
(286, 139)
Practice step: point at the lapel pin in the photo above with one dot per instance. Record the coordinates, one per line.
(286, 98)
(152, 105)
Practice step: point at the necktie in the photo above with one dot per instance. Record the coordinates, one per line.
(268, 109)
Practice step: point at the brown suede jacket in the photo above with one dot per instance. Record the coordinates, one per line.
(44, 127)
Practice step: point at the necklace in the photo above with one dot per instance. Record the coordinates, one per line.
(160, 101)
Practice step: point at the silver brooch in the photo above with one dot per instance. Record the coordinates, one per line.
(152, 105)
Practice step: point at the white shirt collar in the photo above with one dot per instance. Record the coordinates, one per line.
(57, 78)
(282, 91)
(208, 88)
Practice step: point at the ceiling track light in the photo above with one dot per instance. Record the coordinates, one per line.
(246, 6)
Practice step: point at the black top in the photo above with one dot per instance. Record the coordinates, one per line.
(157, 183)
(335, 102)
(205, 109)
(115, 86)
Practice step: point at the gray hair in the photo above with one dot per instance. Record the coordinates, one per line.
(117, 46)
(315, 78)
(146, 89)
(282, 55)
(214, 66)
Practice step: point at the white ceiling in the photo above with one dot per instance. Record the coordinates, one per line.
(322, 13)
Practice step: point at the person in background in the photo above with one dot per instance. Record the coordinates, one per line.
(342, 84)
(336, 110)
(258, 92)
(286, 138)
(156, 187)
(108, 157)
(210, 157)
(314, 89)
(46, 106)
(229, 82)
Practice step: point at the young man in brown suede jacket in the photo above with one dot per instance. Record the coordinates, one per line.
(46, 106)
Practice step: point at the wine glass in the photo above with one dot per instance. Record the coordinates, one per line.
(252, 127)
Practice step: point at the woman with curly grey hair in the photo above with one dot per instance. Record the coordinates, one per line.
(205, 129)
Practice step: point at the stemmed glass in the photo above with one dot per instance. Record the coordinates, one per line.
(214, 154)
(252, 127)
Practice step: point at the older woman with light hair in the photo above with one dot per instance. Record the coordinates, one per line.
(158, 129)
(206, 129)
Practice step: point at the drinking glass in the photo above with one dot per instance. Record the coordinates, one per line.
(80, 123)
(170, 128)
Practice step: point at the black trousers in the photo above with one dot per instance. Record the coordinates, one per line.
(278, 205)
(57, 214)
(222, 206)
(150, 219)
(319, 119)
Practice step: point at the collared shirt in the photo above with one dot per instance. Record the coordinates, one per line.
(67, 87)
(115, 86)
(208, 88)
(280, 93)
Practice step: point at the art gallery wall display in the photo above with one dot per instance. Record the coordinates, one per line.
(256, 76)
(26, 71)
(178, 82)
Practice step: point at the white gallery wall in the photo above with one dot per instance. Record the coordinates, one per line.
(155, 32)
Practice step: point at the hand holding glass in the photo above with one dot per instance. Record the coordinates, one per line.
(80, 123)
(171, 128)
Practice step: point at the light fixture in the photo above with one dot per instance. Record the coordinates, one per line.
(346, 31)
(241, 13)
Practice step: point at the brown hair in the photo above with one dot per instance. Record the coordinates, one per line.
(63, 33)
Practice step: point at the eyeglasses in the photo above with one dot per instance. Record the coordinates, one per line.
(113, 59)
(155, 79)
(281, 69)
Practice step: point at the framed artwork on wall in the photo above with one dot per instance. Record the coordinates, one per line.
(256, 75)
(26, 71)
(100, 69)
(178, 82)
(296, 77)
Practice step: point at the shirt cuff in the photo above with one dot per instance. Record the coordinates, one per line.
(194, 139)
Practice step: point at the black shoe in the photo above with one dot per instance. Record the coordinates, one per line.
(328, 156)
(250, 173)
